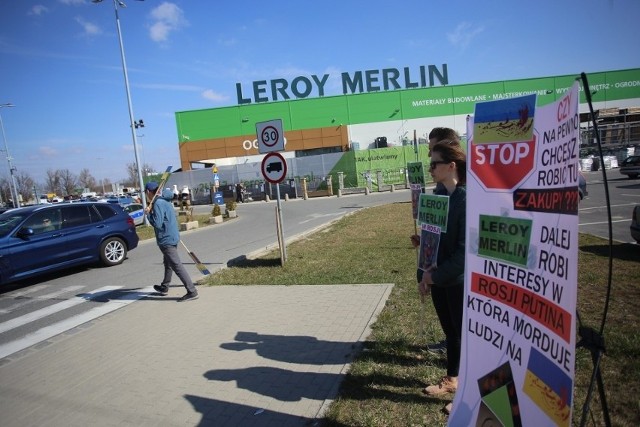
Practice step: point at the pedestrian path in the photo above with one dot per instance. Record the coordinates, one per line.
(238, 356)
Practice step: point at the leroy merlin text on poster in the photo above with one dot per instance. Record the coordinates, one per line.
(415, 173)
(518, 332)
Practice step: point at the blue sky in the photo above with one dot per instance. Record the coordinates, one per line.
(60, 61)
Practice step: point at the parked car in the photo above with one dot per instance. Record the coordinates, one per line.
(630, 166)
(635, 224)
(136, 212)
(582, 186)
(44, 238)
(121, 200)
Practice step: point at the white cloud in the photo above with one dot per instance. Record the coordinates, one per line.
(463, 34)
(89, 28)
(213, 96)
(38, 10)
(170, 86)
(47, 151)
(333, 86)
(72, 2)
(167, 17)
(159, 32)
(232, 41)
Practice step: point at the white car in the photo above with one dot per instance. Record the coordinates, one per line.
(136, 212)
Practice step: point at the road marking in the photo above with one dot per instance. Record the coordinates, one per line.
(604, 222)
(54, 308)
(72, 322)
(24, 292)
(45, 297)
(605, 206)
(314, 217)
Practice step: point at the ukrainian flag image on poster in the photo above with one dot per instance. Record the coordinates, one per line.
(549, 388)
(508, 120)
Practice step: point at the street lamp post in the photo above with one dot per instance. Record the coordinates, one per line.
(12, 180)
(132, 122)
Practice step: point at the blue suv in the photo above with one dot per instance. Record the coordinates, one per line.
(44, 238)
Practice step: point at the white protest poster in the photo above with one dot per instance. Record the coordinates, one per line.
(519, 334)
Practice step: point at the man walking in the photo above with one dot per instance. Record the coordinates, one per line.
(163, 219)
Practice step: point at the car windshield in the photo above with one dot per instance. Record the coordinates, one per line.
(9, 221)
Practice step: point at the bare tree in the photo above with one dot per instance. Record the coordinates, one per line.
(106, 185)
(132, 172)
(52, 182)
(132, 175)
(26, 185)
(86, 180)
(146, 170)
(5, 190)
(68, 181)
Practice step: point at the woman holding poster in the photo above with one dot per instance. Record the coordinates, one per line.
(446, 281)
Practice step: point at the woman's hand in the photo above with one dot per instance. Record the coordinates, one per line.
(424, 290)
(415, 240)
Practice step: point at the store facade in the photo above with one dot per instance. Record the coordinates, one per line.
(377, 119)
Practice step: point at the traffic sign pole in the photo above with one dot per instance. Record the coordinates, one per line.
(283, 247)
(274, 168)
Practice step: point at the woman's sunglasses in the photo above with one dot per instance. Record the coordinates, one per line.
(435, 163)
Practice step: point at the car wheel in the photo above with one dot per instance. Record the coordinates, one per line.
(113, 251)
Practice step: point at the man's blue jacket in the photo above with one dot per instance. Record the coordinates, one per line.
(163, 219)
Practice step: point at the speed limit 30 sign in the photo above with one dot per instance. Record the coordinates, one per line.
(270, 136)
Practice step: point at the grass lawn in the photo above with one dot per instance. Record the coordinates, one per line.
(384, 382)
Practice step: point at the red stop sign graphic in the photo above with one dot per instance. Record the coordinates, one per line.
(502, 165)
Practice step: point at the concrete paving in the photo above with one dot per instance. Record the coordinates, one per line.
(237, 356)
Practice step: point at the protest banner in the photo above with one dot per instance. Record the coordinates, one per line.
(519, 326)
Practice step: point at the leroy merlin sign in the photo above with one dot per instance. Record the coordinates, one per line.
(356, 82)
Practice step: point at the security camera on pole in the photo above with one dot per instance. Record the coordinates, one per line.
(274, 168)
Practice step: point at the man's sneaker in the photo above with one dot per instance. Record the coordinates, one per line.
(448, 408)
(445, 385)
(161, 289)
(188, 296)
(438, 348)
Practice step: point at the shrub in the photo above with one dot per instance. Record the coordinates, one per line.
(231, 205)
(216, 211)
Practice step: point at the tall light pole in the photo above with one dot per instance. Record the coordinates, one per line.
(12, 182)
(132, 122)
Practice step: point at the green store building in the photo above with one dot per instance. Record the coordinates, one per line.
(356, 134)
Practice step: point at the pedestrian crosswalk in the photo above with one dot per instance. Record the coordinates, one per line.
(24, 298)
(98, 302)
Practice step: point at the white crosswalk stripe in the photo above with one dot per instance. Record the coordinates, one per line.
(31, 300)
(57, 328)
(44, 312)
